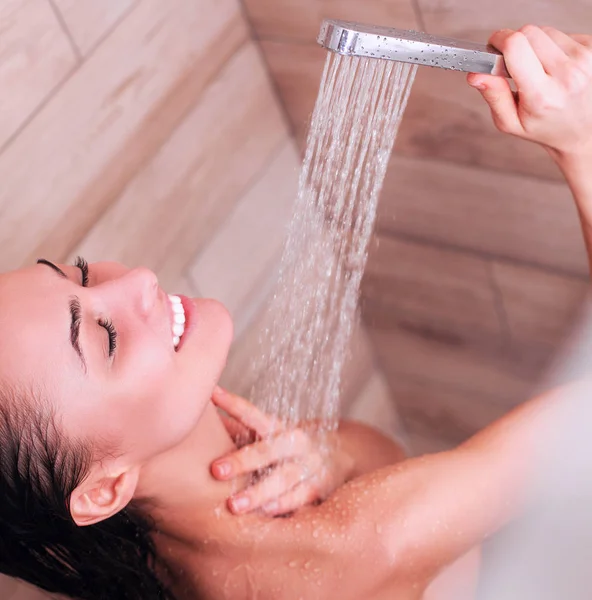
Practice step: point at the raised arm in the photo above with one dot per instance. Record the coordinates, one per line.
(553, 107)
(422, 515)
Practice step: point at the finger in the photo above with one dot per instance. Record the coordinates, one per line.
(585, 40)
(551, 56)
(290, 444)
(499, 96)
(581, 53)
(521, 60)
(300, 496)
(245, 412)
(280, 482)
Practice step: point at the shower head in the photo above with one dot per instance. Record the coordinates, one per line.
(356, 39)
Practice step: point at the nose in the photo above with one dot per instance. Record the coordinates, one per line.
(141, 286)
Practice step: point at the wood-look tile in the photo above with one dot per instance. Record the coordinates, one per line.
(76, 158)
(482, 367)
(301, 19)
(540, 307)
(477, 20)
(450, 414)
(242, 254)
(375, 406)
(297, 70)
(443, 289)
(447, 119)
(89, 20)
(495, 213)
(171, 210)
(35, 57)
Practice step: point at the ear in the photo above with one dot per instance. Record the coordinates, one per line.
(97, 499)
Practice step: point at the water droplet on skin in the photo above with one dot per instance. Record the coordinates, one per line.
(293, 564)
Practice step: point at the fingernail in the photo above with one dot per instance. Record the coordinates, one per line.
(218, 390)
(271, 506)
(240, 503)
(222, 469)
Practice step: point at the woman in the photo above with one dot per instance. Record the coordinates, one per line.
(111, 479)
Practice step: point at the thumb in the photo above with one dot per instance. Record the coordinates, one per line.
(498, 94)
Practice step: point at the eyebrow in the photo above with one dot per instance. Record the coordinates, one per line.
(75, 314)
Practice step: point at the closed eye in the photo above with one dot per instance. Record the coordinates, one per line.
(83, 266)
(106, 324)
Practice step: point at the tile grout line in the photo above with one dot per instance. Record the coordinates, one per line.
(113, 27)
(500, 307)
(64, 27)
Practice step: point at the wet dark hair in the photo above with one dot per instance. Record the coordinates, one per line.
(39, 541)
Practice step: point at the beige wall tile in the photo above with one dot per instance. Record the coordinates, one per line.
(445, 413)
(541, 307)
(296, 70)
(78, 155)
(449, 290)
(478, 367)
(477, 20)
(376, 407)
(239, 264)
(89, 20)
(173, 207)
(447, 119)
(35, 57)
(495, 213)
(301, 19)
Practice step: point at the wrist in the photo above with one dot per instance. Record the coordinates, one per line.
(576, 164)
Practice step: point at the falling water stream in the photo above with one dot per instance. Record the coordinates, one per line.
(314, 308)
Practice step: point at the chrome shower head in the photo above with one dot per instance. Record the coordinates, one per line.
(356, 39)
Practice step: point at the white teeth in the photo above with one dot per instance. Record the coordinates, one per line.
(178, 328)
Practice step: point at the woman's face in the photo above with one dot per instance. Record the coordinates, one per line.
(103, 353)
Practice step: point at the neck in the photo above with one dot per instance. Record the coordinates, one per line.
(184, 495)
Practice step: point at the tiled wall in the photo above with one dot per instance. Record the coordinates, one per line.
(477, 268)
(148, 132)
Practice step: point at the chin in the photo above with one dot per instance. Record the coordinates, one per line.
(213, 334)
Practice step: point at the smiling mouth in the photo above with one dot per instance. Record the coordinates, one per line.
(178, 328)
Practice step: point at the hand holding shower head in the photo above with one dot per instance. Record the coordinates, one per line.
(356, 39)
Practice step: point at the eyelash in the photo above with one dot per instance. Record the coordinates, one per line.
(83, 266)
(108, 325)
(105, 323)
